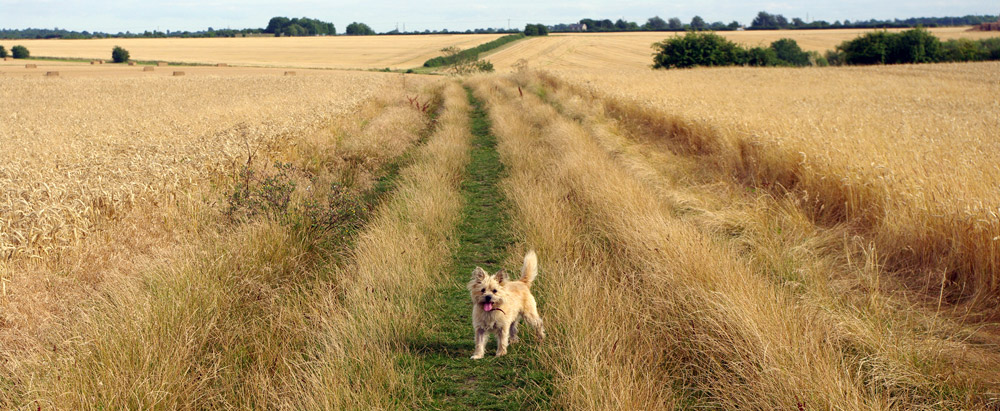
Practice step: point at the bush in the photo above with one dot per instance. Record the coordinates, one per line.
(913, 46)
(470, 54)
(789, 53)
(762, 57)
(536, 30)
(20, 52)
(119, 54)
(869, 48)
(359, 29)
(835, 57)
(963, 50)
(3, 52)
(697, 49)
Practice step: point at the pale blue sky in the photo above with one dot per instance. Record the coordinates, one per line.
(456, 15)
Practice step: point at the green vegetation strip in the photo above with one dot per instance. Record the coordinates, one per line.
(473, 53)
(441, 354)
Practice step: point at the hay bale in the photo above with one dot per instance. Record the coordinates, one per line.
(289, 73)
(178, 73)
(222, 65)
(147, 68)
(100, 61)
(161, 64)
(52, 74)
(131, 63)
(93, 62)
(30, 66)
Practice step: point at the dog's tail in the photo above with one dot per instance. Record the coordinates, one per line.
(530, 268)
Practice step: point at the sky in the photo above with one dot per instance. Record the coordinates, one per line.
(115, 16)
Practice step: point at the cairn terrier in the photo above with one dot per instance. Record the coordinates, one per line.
(498, 304)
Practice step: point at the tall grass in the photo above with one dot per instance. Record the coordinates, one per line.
(368, 318)
(675, 316)
(875, 157)
(223, 320)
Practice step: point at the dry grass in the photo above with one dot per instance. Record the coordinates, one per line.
(684, 293)
(315, 52)
(126, 192)
(861, 145)
(589, 51)
(376, 310)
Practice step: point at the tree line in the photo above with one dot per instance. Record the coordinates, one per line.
(916, 45)
(767, 21)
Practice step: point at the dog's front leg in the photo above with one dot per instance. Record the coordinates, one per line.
(481, 337)
(503, 336)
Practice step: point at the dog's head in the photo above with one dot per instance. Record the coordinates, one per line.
(487, 290)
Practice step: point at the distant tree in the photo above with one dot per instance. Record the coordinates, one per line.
(20, 52)
(733, 25)
(789, 52)
(359, 29)
(119, 54)
(765, 20)
(697, 49)
(914, 46)
(698, 23)
(655, 23)
(621, 24)
(3, 52)
(536, 30)
(675, 24)
(276, 24)
(760, 56)
(797, 22)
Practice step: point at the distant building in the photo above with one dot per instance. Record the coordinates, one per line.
(577, 27)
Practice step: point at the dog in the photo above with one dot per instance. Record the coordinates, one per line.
(498, 303)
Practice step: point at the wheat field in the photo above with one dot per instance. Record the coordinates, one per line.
(724, 238)
(586, 51)
(344, 52)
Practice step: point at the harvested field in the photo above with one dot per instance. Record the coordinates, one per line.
(584, 51)
(310, 52)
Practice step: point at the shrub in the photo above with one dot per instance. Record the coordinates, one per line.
(869, 48)
(913, 46)
(789, 53)
(119, 54)
(835, 57)
(817, 59)
(359, 29)
(763, 57)
(3, 52)
(536, 30)
(963, 50)
(470, 54)
(20, 52)
(697, 49)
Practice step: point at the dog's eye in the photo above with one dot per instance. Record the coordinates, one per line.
(484, 290)
(494, 290)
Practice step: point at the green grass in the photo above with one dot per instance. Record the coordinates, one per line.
(441, 353)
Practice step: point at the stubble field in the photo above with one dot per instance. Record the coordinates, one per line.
(757, 238)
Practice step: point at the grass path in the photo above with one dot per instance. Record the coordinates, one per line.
(451, 379)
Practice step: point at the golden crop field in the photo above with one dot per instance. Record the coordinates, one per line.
(720, 238)
(575, 51)
(348, 52)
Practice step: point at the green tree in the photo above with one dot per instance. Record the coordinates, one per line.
(698, 23)
(655, 23)
(675, 24)
(359, 29)
(3, 52)
(119, 54)
(789, 52)
(20, 52)
(914, 46)
(536, 30)
(697, 49)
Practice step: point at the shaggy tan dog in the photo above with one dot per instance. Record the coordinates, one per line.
(498, 303)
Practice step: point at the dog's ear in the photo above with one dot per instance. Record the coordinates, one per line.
(501, 276)
(479, 274)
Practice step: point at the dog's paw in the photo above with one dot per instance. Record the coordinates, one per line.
(501, 353)
(514, 340)
(476, 356)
